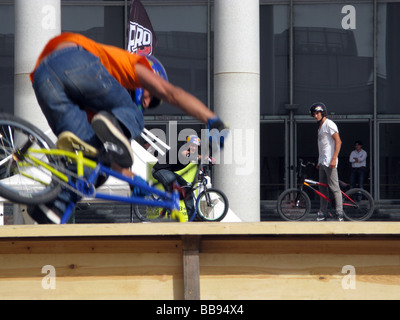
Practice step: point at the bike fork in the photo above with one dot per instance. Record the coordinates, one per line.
(68, 212)
(297, 200)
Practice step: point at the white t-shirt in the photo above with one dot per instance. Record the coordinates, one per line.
(326, 144)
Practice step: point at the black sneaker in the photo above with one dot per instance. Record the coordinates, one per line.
(321, 216)
(43, 214)
(114, 141)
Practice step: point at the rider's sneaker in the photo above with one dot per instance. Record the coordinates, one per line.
(109, 131)
(321, 216)
(340, 216)
(43, 214)
(70, 142)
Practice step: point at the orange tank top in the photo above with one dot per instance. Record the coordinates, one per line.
(119, 63)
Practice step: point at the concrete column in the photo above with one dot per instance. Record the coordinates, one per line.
(237, 102)
(36, 22)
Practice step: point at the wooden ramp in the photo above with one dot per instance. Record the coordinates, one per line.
(266, 260)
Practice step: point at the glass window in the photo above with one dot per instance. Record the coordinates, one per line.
(333, 57)
(181, 33)
(102, 24)
(389, 160)
(272, 160)
(388, 53)
(307, 148)
(7, 59)
(274, 72)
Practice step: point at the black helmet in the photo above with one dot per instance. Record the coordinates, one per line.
(318, 107)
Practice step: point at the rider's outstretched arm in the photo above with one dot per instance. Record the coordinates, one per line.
(174, 95)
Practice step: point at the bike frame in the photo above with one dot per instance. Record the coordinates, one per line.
(357, 204)
(309, 183)
(199, 186)
(195, 186)
(87, 189)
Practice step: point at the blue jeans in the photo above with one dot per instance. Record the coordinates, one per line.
(71, 80)
(358, 175)
(167, 178)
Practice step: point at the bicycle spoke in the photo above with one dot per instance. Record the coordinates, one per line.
(357, 205)
(293, 205)
(150, 213)
(22, 181)
(212, 205)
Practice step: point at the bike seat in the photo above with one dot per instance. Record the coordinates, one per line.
(70, 142)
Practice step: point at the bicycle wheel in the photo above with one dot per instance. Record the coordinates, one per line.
(293, 205)
(22, 181)
(212, 205)
(358, 205)
(150, 213)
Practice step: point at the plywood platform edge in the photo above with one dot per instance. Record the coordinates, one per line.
(201, 228)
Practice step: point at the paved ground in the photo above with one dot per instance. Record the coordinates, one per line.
(117, 213)
(382, 212)
(121, 213)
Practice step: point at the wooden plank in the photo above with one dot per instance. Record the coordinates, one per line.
(268, 260)
(116, 268)
(92, 276)
(191, 267)
(204, 228)
(91, 245)
(374, 245)
(300, 269)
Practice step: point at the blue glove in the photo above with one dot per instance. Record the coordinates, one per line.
(137, 191)
(217, 131)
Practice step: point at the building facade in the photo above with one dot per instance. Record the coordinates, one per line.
(344, 54)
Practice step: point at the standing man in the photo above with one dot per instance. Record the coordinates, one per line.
(358, 160)
(329, 144)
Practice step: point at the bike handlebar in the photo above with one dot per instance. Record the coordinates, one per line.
(302, 165)
(305, 165)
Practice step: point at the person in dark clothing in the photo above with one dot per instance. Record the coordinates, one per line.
(166, 174)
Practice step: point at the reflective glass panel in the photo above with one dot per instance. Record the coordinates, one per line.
(181, 33)
(274, 59)
(333, 57)
(102, 24)
(272, 160)
(389, 160)
(388, 53)
(7, 59)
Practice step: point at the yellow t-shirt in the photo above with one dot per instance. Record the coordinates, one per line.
(119, 63)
